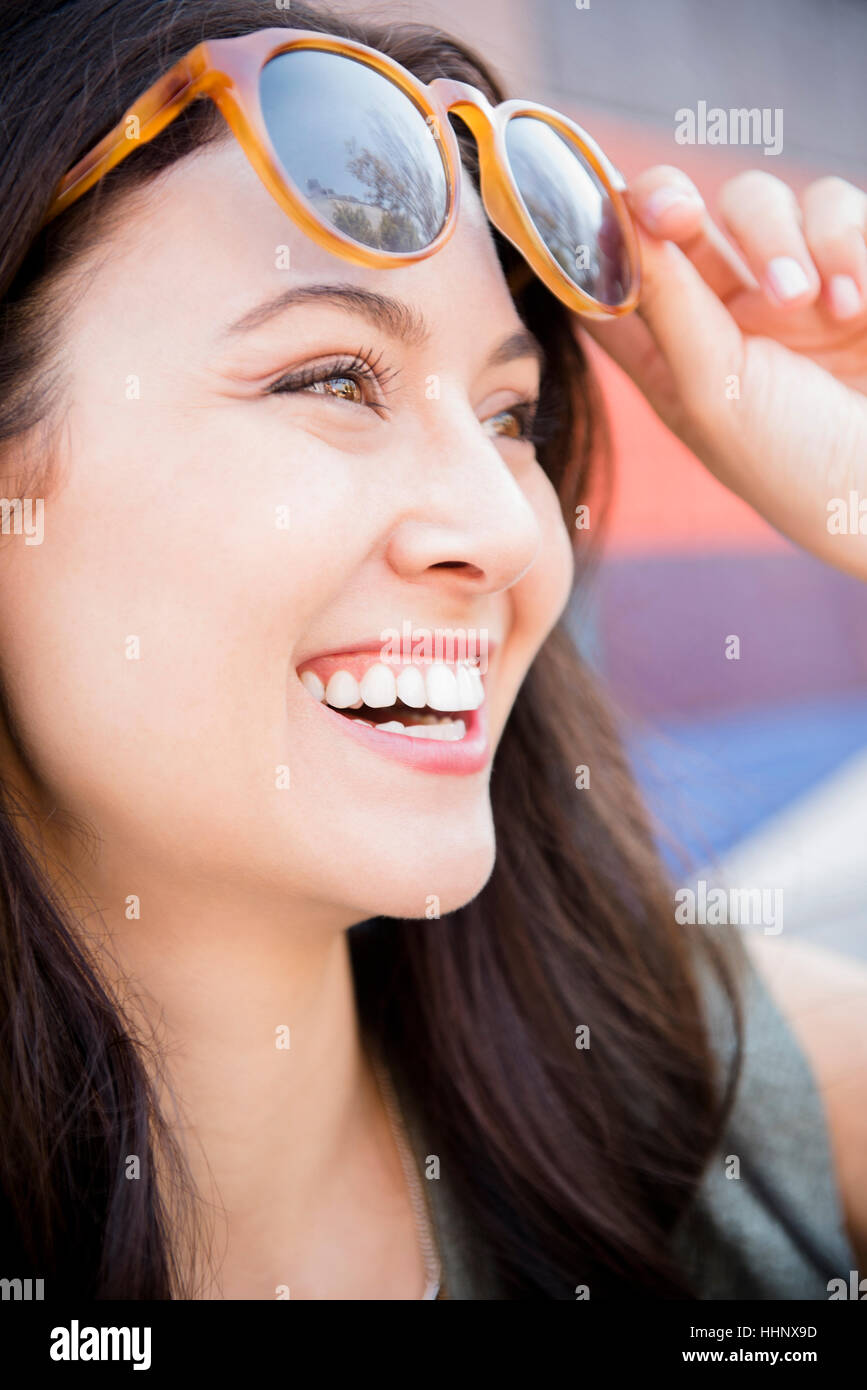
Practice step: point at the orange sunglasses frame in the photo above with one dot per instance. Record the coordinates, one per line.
(228, 70)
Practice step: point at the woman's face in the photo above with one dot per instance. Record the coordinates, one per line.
(206, 540)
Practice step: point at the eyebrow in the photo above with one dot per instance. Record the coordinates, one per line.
(393, 316)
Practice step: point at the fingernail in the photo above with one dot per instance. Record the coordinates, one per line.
(787, 277)
(845, 296)
(661, 199)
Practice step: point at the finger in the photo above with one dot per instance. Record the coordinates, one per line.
(681, 341)
(668, 204)
(761, 213)
(835, 225)
(630, 343)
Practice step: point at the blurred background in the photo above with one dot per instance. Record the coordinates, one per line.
(755, 769)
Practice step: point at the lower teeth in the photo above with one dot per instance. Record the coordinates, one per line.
(445, 733)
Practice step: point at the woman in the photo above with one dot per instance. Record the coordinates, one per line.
(254, 953)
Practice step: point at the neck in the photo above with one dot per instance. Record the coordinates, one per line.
(264, 1080)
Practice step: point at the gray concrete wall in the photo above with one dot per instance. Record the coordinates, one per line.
(642, 61)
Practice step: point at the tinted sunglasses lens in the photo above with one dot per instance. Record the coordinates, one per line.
(357, 147)
(570, 207)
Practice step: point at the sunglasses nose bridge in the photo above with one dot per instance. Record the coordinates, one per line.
(466, 101)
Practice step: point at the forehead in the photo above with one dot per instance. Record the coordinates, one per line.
(207, 234)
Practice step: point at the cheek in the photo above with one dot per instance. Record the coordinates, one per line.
(538, 599)
(146, 641)
(542, 595)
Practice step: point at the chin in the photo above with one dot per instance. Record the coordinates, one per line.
(431, 878)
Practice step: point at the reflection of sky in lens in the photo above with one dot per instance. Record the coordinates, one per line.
(357, 147)
(570, 208)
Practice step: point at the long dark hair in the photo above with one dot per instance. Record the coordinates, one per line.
(574, 1163)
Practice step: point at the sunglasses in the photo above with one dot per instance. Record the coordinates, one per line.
(362, 156)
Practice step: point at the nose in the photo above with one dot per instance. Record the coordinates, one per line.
(469, 527)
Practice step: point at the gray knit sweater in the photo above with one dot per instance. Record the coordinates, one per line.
(773, 1232)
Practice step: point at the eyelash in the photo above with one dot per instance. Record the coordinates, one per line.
(535, 428)
(358, 368)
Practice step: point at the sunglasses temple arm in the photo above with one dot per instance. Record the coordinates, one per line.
(153, 111)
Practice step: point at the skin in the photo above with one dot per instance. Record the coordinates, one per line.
(164, 527)
(795, 438)
(825, 997)
(170, 759)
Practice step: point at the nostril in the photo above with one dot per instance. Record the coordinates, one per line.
(472, 570)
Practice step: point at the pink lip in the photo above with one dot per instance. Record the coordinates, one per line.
(367, 644)
(461, 758)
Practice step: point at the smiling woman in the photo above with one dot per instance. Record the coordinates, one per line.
(267, 889)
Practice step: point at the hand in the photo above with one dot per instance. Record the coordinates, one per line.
(754, 350)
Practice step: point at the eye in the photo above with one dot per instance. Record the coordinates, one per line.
(349, 389)
(517, 422)
(354, 379)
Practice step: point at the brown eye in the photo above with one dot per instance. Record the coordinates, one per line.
(349, 389)
(517, 421)
(343, 379)
(513, 427)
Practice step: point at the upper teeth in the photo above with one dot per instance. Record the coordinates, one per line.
(440, 687)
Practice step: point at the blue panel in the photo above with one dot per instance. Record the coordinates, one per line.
(711, 782)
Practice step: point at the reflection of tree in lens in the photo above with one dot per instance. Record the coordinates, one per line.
(352, 221)
(399, 182)
(397, 233)
(572, 215)
(562, 222)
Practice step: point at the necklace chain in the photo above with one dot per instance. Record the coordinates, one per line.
(421, 1213)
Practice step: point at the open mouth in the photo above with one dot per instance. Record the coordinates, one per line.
(434, 702)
